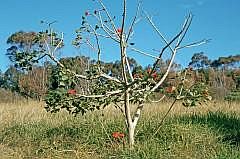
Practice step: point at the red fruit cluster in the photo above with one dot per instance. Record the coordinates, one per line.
(72, 91)
(119, 31)
(154, 75)
(118, 135)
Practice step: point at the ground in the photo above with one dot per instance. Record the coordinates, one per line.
(206, 131)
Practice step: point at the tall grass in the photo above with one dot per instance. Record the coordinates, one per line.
(208, 131)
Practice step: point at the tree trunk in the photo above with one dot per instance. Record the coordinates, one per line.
(129, 124)
(131, 130)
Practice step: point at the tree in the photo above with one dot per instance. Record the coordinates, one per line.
(226, 61)
(124, 89)
(10, 79)
(27, 48)
(34, 83)
(199, 61)
(27, 52)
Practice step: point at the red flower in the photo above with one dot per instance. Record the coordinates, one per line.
(170, 89)
(154, 75)
(72, 91)
(118, 135)
(87, 13)
(119, 30)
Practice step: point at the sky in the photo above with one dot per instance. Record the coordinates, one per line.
(218, 20)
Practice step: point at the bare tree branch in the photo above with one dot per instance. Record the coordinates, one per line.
(133, 23)
(58, 45)
(185, 28)
(166, 73)
(158, 32)
(108, 15)
(144, 53)
(107, 94)
(157, 101)
(129, 69)
(98, 48)
(106, 29)
(194, 44)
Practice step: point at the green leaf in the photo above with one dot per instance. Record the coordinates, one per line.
(61, 83)
(65, 78)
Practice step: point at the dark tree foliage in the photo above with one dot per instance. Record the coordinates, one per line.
(226, 61)
(24, 49)
(9, 79)
(199, 61)
(27, 48)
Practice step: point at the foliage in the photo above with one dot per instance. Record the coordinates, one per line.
(226, 61)
(199, 60)
(34, 82)
(62, 93)
(9, 79)
(27, 48)
(190, 91)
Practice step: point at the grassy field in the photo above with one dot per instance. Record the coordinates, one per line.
(208, 131)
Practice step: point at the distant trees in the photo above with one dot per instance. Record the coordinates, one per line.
(24, 48)
(9, 79)
(26, 52)
(32, 80)
(199, 61)
(222, 75)
(224, 62)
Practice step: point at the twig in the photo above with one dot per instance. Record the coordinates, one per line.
(144, 53)
(106, 29)
(133, 23)
(98, 47)
(108, 15)
(158, 32)
(129, 68)
(157, 101)
(198, 43)
(168, 44)
(58, 45)
(185, 28)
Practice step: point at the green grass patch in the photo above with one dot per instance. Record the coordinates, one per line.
(211, 135)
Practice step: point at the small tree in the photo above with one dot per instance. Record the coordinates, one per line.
(125, 88)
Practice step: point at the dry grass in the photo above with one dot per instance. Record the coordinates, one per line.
(28, 131)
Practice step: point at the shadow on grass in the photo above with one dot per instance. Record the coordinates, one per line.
(228, 125)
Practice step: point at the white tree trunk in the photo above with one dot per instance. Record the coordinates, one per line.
(131, 130)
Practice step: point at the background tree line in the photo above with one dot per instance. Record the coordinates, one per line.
(222, 75)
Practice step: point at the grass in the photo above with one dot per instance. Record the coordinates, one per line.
(27, 131)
